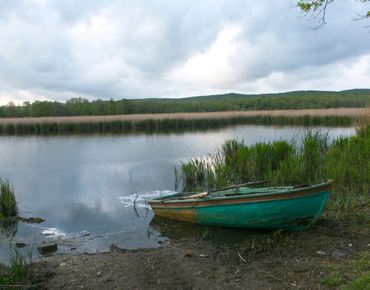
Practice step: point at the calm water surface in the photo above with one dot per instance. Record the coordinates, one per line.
(85, 185)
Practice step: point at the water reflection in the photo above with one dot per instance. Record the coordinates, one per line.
(8, 228)
(90, 183)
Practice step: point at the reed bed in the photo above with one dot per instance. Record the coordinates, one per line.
(350, 112)
(45, 125)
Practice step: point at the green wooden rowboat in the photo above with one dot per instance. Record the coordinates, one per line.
(280, 208)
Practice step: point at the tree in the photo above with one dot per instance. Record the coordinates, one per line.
(97, 107)
(111, 108)
(120, 108)
(58, 109)
(26, 107)
(86, 110)
(41, 109)
(317, 10)
(10, 110)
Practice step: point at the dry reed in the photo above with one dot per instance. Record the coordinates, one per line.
(362, 122)
(351, 112)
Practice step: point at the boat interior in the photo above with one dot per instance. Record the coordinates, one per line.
(225, 193)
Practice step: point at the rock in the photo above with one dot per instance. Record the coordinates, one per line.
(98, 274)
(20, 245)
(47, 249)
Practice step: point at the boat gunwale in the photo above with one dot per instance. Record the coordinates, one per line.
(198, 202)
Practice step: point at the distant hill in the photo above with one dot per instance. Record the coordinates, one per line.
(251, 96)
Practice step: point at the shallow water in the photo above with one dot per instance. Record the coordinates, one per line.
(85, 185)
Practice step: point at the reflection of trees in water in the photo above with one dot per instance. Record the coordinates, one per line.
(8, 228)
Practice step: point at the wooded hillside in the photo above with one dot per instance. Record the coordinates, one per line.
(299, 100)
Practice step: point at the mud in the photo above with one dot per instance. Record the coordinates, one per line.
(326, 256)
(26, 220)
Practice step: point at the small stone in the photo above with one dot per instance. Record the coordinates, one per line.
(47, 249)
(20, 245)
(98, 274)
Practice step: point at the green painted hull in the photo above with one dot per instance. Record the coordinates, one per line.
(279, 209)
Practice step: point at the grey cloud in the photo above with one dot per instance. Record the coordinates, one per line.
(70, 11)
(286, 44)
(179, 30)
(52, 49)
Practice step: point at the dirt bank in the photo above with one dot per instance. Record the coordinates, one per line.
(327, 256)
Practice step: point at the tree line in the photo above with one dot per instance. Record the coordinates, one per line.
(84, 107)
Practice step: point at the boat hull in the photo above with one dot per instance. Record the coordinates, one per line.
(294, 210)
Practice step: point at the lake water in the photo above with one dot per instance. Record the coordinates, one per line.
(85, 185)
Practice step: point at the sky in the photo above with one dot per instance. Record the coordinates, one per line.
(61, 49)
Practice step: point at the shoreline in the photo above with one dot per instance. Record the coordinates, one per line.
(350, 112)
(323, 256)
(178, 121)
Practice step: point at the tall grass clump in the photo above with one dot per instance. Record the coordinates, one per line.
(8, 203)
(234, 163)
(306, 162)
(17, 273)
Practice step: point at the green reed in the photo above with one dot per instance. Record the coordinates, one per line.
(8, 203)
(311, 159)
(363, 131)
(179, 123)
(18, 270)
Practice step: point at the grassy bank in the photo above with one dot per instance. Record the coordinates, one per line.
(312, 159)
(334, 252)
(162, 122)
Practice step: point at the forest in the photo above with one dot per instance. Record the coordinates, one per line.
(300, 100)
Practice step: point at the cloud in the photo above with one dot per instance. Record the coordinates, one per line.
(122, 49)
